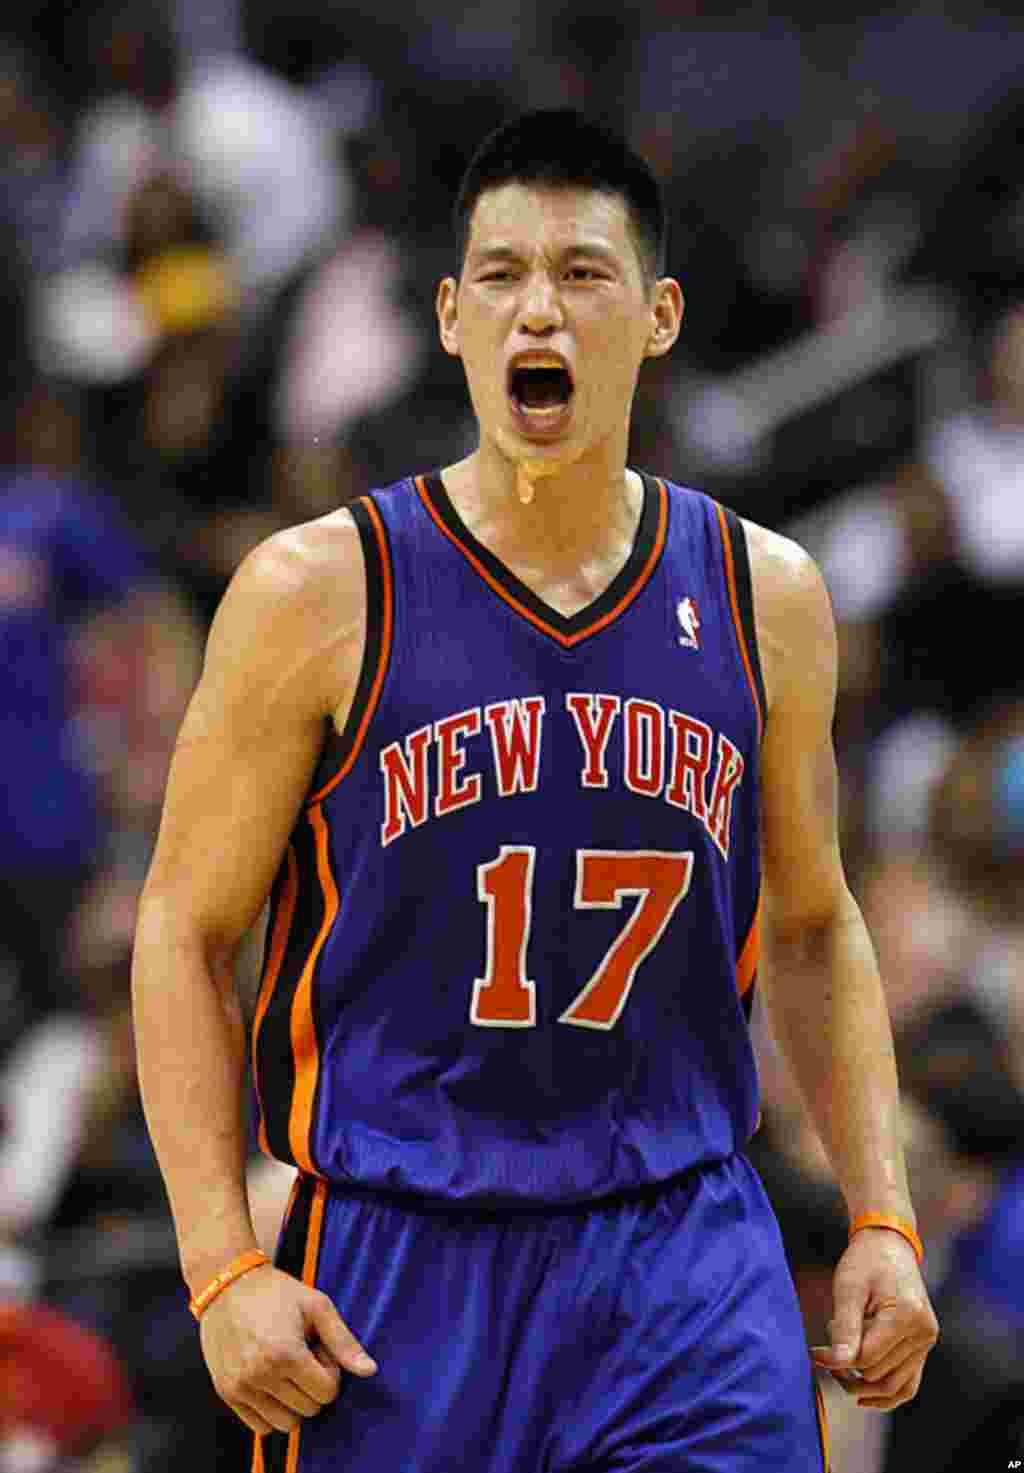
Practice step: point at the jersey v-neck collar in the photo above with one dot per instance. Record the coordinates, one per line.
(602, 611)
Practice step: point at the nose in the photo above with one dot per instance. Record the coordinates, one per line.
(540, 308)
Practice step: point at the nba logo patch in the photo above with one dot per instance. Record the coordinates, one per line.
(689, 623)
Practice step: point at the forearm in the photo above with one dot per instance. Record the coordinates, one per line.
(190, 1040)
(830, 1020)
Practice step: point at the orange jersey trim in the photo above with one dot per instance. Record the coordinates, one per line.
(387, 627)
(730, 579)
(566, 640)
(278, 947)
(823, 1427)
(305, 1049)
(750, 954)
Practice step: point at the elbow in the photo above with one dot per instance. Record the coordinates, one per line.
(806, 935)
(167, 927)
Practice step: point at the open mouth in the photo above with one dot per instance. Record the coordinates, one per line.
(540, 391)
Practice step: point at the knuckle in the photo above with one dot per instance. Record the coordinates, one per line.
(320, 1304)
(280, 1417)
(287, 1360)
(229, 1387)
(249, 1373)
(268, 1364)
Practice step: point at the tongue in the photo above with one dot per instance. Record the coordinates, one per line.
(542, 388)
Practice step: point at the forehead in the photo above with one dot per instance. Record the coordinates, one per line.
(526, 217)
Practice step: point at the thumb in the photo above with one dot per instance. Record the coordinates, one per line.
(337, 1338)
(845, 1329)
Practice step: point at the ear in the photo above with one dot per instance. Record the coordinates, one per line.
(448, 316)
(667, 315)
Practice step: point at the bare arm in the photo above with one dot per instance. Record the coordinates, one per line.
(283, 656)
(826, 1001)
(823, 988)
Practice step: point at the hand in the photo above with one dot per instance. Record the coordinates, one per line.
(274, 1346)
(883, 1325)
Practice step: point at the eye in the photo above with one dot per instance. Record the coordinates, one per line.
(586, 273)
(498, 276)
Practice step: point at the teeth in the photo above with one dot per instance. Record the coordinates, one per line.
(544, 362)
(548, 412)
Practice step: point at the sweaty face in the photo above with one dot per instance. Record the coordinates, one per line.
(551, 318)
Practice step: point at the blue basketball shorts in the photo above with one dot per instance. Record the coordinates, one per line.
(658, 1333)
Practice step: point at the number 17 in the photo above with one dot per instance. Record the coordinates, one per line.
(505, 997)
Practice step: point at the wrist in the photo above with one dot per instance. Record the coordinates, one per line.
(212, 1237)
(200, 1264)
(242, 1264)
(889, 1222)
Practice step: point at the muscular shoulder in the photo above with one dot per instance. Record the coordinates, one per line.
(792, 612)
(291, 622)
(297, 568)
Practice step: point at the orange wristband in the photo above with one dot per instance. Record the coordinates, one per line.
(895, 1224)
(254, 1258)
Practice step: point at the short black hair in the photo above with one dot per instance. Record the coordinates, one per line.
(562, 148)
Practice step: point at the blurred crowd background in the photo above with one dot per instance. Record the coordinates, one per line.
(222, 228)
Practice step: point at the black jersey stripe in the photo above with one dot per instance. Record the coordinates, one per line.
(276, 1070)
(744, 592)
(299, 1255)
(306, 1030)
(278, 936)
(342, 748)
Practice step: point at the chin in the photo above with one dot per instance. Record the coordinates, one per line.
(553, 454)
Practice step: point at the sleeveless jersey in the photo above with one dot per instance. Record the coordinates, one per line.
(513, 942)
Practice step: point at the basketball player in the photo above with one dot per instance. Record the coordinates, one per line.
(505, 742)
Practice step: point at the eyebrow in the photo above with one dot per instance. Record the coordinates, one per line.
(502, 251)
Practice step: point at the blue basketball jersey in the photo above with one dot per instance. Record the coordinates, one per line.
(513, 942)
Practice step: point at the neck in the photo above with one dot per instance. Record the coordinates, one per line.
(563, 517)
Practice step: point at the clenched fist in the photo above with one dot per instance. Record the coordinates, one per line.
(275, 1349)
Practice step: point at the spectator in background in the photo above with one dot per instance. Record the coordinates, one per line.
(349, 347)
(969, 1184)
(978, 834)
(978, 458)
(62, 1391)
(92, 677)
(33, 166)
(62, 559)
(930, 561)
(973, 243)
(176, 266)
(98, 653)
(258, 150)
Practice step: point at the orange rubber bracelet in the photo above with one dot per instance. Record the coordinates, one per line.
(254, 1258)
(895, 1224)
